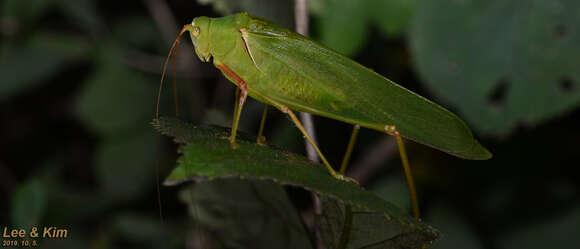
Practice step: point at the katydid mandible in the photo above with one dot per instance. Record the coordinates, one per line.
(291, 72)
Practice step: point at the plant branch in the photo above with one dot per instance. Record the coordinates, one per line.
(301, 17)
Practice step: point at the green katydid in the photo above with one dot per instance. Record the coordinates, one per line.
(291, 72)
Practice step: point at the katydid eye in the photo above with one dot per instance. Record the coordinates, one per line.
(195, 31)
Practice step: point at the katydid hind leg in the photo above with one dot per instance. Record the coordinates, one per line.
(298, 124)
(392, 130)
(261, 140)
(286, 110)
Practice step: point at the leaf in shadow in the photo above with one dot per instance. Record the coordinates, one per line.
(124, 167)
(207, 154)
(28, 204)
(115, 98)
(348, 226)
(36, 62)
(246, 214)
(545, 232)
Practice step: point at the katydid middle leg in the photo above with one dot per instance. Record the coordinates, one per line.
(261, 138)
(349, 149)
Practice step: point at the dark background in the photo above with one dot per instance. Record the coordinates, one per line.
(78, 82)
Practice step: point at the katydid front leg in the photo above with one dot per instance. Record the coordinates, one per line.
(241, 95)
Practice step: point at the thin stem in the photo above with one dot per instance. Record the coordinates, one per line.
(301, 17)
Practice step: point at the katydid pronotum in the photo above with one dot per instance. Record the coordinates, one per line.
(291, 72)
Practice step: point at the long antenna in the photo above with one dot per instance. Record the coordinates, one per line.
(172, 51)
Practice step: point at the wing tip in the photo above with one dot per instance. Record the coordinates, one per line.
(477, 152)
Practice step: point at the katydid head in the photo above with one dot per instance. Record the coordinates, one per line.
(199, 32)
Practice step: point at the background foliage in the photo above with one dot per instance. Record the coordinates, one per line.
(78, 89)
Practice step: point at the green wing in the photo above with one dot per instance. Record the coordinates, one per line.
(307, 76)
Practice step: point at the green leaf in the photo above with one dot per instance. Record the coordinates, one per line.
(139, 32)
(140, 229)
(352, 227)
(125, 166)
(344, 24)
(500, 63)
(24, 11)
(392, 16)
(207, 154)
(43, 56)
(458, 232)
(561, 231)
(345, 35)
(115, 98)
(279, 11)
(28, 204)
(246, 214)
(82, 12)
(395, 189)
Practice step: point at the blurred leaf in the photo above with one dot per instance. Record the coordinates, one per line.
(137, 228)
(395, 189)
(352, 227)
(208, 154)
(458, 233)
(73, 204)
(83, 12)
(114, 98)
(278, 11)
(64, 45)
(500, 63)
(144, 231)
(246, 214)
(24, 11)
(28, 204)
(561, 231)
(139, 32)
(316, 7)
(125, 166)
(392, 16)
(343, 25)
(44, 56)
